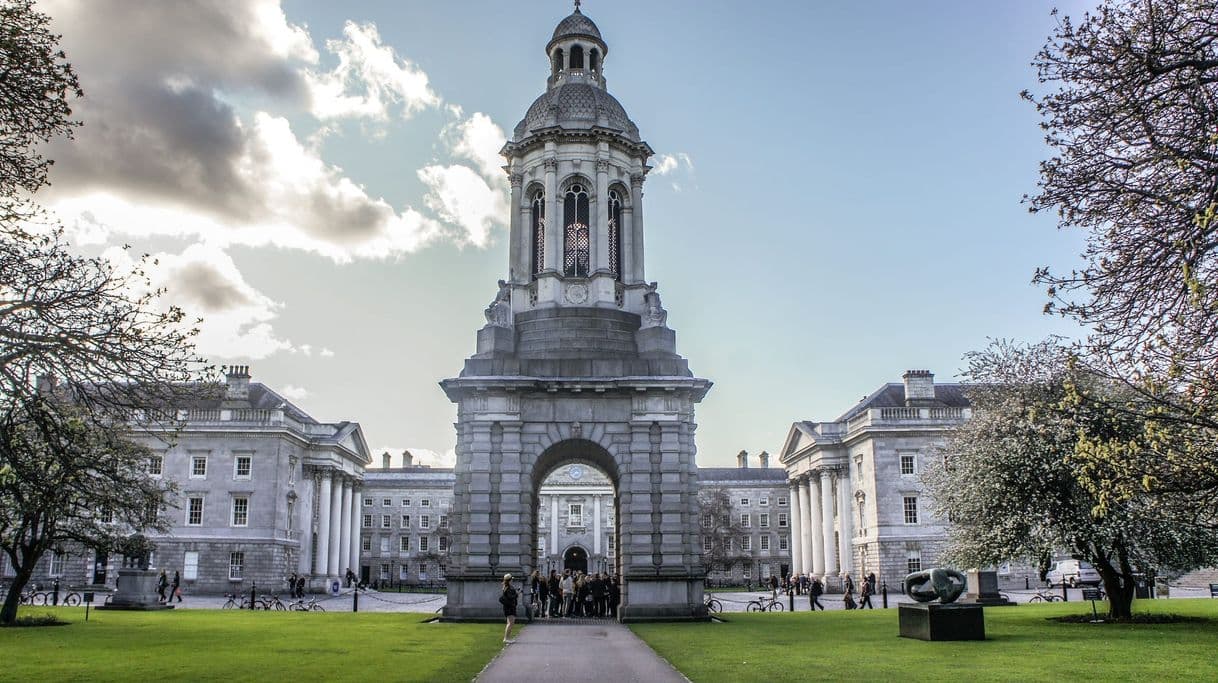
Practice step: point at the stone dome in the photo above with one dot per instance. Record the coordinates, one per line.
(576, 106)
(576, 25)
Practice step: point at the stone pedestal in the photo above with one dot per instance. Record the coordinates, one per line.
(136, 590)
(983, 589)
(494, 339)
(934, 621)
(663, 599)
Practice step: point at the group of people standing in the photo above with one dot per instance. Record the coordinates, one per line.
(573, 594)
(296, 585)
(167, 591)
(811, 585)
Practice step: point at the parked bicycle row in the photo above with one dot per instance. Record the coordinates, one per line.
(272, 602)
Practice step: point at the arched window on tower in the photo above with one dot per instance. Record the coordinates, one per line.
(577, 57)
(538, 225)
(594, 59)
(615, 233)
(557, 66)
(575, 232)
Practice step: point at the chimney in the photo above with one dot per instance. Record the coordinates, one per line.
(385, 460)
(742, 460)
(237, 380)
(919, 387)
(765, 459)
(407, 459)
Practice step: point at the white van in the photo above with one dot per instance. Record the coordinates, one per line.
(1072, 573)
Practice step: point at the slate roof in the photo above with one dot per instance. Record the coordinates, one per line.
(576, 25)
(776, 475)
(261, 397)
(892, 395)
(576, 106)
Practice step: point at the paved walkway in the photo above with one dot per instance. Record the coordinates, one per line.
(558, 653)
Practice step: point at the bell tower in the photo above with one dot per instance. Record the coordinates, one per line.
(576, 362)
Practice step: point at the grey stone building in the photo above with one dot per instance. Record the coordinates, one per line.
(857, 500)
(404, 523)
(575, 519)
(576, 363)
(264, 490)
(760, 512)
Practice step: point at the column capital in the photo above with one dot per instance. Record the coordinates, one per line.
(636, 179)
(551, 164)
(516, 179)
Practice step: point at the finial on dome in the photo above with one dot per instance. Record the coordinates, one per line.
(577, 7)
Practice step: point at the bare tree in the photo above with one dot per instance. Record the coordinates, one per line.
(722, 536)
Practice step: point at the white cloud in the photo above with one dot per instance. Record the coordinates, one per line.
(205, 283)
(462, 198)
(368, 80)
(294, 393)
(326, 353)
(669, 163)
(479, 139)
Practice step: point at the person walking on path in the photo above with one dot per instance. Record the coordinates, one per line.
(815, 589)
(865, 592)
(773, 586)
(508, 599)
(177, 587)
(848, 592)
(162, 583)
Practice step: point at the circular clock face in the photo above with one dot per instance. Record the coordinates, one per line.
(576, 472)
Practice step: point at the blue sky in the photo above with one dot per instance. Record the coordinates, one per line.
(836, 196)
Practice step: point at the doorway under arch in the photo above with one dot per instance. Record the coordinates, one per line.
(575, 559)
(575, 520)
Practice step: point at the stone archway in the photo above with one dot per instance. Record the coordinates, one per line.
(575, 558)
(597, 529)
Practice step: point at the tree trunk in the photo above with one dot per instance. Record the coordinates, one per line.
(1120, 594)
(8, 614)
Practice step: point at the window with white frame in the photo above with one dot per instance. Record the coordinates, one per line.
(386, 502)
(575, 514)
(156, 465)
(763, 520)
(241, 511)
(764, 501)
(384, 572)
(913, 561)
(198, 467)
(911, 509)
(425, 503)
(367, 502)
(386, 521)
(384, 545)
(365, 544)
(746, 543)
(190, 565)
(291, 514)
(765, 570)
(404, 544)
(242, 466)
(443, 521)
(784, 543)
(424, 544)
(782, 501)
(708, 521)
(862, 519)
(707, 544)
(745, 520)
(744, 502)
(194, 511)
(405, 522)
(57, 560)
(424, 521)
(403, 572)
(765, 543)
(405, 502)
(747, 572)
(443, 541)
(236, 566)
(782, 520)
(908, 464)
(367, 521)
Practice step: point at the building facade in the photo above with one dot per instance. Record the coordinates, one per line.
(759, 516)
(404, 524)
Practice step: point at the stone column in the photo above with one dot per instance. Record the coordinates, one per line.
(336, 521)
(636, 201)
(356, 493)
(553, 524)
(305, 527)
(844, 522)
(625, 233)
(323, 523)
(815, 535)
(827, 502)
(596, 525)
(796, 546)
(553, 218)
(600, 231)
(344, 531)
(518, 269)
(806, 555)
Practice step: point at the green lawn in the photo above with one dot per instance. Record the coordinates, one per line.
(1022, 645)
(235, 645)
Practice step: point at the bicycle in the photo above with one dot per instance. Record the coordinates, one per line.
(1043, 596)
(764, 604)
(269, 602)
(235, 602)
(713, 605)
(72, 599)
(311, 606)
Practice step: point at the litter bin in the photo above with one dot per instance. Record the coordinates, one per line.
(1141, 588)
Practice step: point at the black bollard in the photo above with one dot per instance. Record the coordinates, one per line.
(1026, 585)
(791, 598)
(355, 600)
(884, 593)
(55, 597)
(253, 594)
(1065, 595)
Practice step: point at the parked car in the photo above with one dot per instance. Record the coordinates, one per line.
(1072, 573)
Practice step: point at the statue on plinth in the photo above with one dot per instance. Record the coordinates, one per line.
(944, 584)
(499, 312)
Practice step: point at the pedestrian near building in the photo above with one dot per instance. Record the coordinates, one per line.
(848, 592)
(162, 583)
(508, 599)
(815, 589)
(177, 587)
(865, 592)
(555, 593)
(568, 593)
